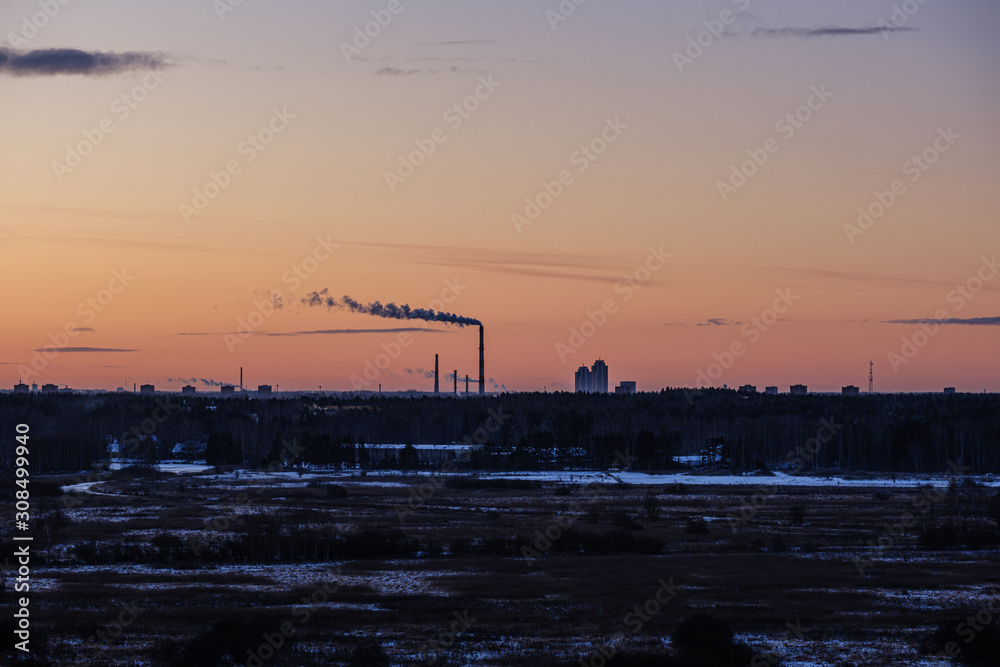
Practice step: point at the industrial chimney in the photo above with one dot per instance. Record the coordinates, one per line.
(482, 364)
(435, 374)
(456, 382)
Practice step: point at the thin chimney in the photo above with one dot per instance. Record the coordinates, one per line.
(482, 364)
(435, 374)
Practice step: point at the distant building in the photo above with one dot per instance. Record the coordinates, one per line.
(748, 389)
(227, 390)
(949, 390)
(593, 380)
(264, 390)
(49, 388)
(20, 388)
(850, 390)
(147, 389)
(798, 390)
(771, 391)
(188, 390)
(625, 387)
(599, 377)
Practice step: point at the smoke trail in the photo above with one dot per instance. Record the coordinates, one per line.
(194, 381)
(389, 311)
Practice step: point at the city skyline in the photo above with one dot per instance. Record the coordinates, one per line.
(764, 192)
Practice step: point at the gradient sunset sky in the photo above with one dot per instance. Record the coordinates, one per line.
(686, 117)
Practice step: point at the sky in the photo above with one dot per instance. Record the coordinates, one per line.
(700, 193)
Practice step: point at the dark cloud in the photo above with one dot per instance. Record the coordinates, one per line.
(53, 62)
(84, 349)
(827, 31)
(718, 322)
(971, 321)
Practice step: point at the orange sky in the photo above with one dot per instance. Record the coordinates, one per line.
(543, 94)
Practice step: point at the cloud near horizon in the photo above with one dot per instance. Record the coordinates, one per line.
(970, 321)
(828, 31)
(54, 62)
(83, 349)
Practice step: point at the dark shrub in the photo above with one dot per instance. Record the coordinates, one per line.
(704, 641)
(959, 639)
(696, 526)
(369, 654)
(798, 514)
(335, 491)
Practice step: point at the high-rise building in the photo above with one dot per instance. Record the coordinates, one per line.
(583, 380)
(798, 390)
(851, 390)
(625, 387)
(748, 389)
(771, 391)
(599, 377)
(189, 390)
(147, 389)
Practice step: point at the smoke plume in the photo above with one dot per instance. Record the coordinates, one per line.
(389, 311)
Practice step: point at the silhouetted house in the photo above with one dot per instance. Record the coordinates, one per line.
(49, 388)
(798, 390)
(147, 389)
(949, 390)
(20, 388)
(189, 450)
(625, 387)
(850, 390)
(420, 454)
(227, 390)
(264, 390)
(771, 391)
(188, 390)
(748, 389)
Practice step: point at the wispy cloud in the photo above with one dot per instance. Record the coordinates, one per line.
(719, 322)
(970, 321)
(53, 62)
(85, 349)
(389, 70)
(82, 329)
(827, 31)
(458, 42)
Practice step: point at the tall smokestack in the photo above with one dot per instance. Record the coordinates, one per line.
(241, 378)
(466, 384)
(456, 382)
(435, 374)
(482, 363)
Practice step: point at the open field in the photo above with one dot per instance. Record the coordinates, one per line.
(201, 568)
